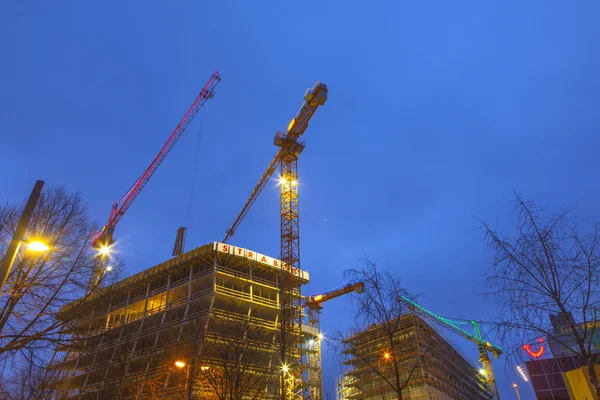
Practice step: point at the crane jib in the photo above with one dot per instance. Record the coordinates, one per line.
(120, 207)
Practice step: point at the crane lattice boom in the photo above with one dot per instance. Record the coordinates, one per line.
(482, 345)
(104, 238)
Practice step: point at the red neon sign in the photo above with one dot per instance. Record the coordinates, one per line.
(535, 354)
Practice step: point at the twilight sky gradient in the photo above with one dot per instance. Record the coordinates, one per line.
(436, 111)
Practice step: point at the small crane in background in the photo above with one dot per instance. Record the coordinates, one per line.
(312, 349)
(104, 240)
(482, 345)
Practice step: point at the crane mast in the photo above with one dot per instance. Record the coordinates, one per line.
(290, 315)
(482, 345)
(290, 297)
(312, 349)
(104, 239)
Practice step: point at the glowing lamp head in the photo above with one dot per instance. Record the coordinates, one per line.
(104, 250)
(482, 371)
(37, 246)
(515, 385)
(109, 268)
(179, 364)
(321, 336)
(311, 342)
(284, 368)
(386, 355)
(204, 367)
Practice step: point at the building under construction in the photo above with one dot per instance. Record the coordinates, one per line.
(179, 327)
(438, 370)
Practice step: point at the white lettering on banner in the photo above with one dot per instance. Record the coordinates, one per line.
(261, 258)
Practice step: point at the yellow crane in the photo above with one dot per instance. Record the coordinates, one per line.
(290, 315)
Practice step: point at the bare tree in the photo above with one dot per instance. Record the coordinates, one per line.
(380, 313)
(39, 285)
(548, 267)
(237, 364)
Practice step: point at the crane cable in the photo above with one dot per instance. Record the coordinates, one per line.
(195, 167)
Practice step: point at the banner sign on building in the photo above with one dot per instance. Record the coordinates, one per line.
(259, 258)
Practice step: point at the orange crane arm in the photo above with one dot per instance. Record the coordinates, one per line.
(316, 300)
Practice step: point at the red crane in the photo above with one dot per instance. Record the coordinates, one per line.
(104, 239)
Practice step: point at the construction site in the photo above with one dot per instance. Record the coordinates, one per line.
(225, 322)
(430, 365)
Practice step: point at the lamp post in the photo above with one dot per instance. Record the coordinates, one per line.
(386, 356)
(517, 391)
(188, 386)
(17, 239)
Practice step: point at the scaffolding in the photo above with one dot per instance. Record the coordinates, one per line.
(182, 309)
(435, 368)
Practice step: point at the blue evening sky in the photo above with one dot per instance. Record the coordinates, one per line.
(436, 111)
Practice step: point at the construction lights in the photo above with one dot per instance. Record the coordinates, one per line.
(321, 336)
(522, 373)
(284, 369)
(482, 371)
(386, 355)
(179, 364)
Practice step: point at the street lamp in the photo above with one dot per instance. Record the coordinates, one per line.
(517, 391)
(17, 239)
(37, 246)
(188, 386)
(386, 356)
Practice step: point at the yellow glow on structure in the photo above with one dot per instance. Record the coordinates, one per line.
(179, 364)
(482, 371)
(204, 367)
(36, 245)
(284, 368)
(294, 182)
(292, 122)
(386, 355)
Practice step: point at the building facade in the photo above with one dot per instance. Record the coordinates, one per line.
(183, 325)
(563, 340)
(432, 367)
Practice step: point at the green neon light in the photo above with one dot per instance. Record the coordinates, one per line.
(478, 337)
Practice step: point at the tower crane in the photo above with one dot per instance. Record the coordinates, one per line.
(312, 360)
(482, 345)
(290, 316)
(104, 239)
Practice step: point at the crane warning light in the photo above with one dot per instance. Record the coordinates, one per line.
(539, 352)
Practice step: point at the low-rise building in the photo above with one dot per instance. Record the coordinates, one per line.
(432, 367)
